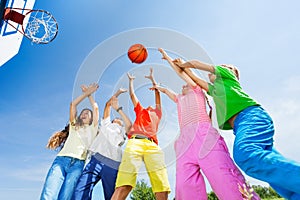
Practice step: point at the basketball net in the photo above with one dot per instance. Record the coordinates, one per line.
(39, 26)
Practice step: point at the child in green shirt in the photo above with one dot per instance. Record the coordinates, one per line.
(253, 149)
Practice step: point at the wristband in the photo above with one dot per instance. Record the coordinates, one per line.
(120, 108)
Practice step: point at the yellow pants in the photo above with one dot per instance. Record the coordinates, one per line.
(136, 152)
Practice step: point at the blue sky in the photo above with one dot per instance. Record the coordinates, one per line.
(260, 37)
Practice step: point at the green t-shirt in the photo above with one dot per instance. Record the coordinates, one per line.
(228, 96)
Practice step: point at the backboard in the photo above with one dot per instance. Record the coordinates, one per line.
(10, 38)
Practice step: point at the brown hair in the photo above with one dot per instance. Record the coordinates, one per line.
(79, 121)
(57, 140)
(233, 68)
(210, 107)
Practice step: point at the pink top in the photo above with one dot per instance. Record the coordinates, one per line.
(192, 107)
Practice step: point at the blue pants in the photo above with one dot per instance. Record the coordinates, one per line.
(92, 173)
(254, 153)
(62, 178)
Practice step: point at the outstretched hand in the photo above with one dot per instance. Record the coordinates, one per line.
(88, 90)
(157, 87)
(122, 90)
(83, 88)
(182, 64)
(178, 61)
(130, 77)
(163, 53)
(114, 103)
(150, 76)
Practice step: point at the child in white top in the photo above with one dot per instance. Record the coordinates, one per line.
(107, 153)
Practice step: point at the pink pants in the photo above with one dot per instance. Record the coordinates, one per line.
(200, 149)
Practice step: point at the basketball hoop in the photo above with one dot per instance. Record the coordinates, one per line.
(39, 26)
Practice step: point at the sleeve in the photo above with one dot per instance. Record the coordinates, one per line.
(224, 72)
(105, 122)
(122, 137)
(197, 88)
(159, 113)
(210, 89)
(95, 130)
(138, 108)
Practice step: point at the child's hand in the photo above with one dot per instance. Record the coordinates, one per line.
(114, 103)
(90, 89)
(157, 87)
(83, 88)
(163, 53)
(150, 75)
(122, 90)
(130, 77)
(178, 61)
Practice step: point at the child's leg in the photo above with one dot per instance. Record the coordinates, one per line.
(74, 169)
(129, 167)
(254, 153)
(222, 174)
(190, 183)
(156, 168)
(109, 177)
(54, 179)
(88, 179)
(286, 193)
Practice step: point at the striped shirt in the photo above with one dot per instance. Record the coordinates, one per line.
(192, 107)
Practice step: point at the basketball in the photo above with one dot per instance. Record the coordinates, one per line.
(137, 53)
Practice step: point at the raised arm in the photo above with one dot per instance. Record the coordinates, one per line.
(95, 110)
(198, 65)
(199, 81)
(172, 95)
(87, 91)
(115, 105)
(177, 69)
(120, 91)
(108, 103)
(157, 94)
(133, 97)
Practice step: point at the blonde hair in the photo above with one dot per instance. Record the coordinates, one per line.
(57, 140)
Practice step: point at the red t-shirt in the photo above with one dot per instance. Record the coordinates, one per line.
(146, 122)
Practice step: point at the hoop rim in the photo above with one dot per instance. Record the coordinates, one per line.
(48, 13)
(24, 25)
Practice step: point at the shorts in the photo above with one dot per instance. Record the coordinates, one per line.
(136, 152)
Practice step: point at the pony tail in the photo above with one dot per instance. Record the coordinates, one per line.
(58, 139)
(210, 107)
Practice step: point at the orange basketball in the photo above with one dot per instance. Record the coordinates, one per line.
(137, 53)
